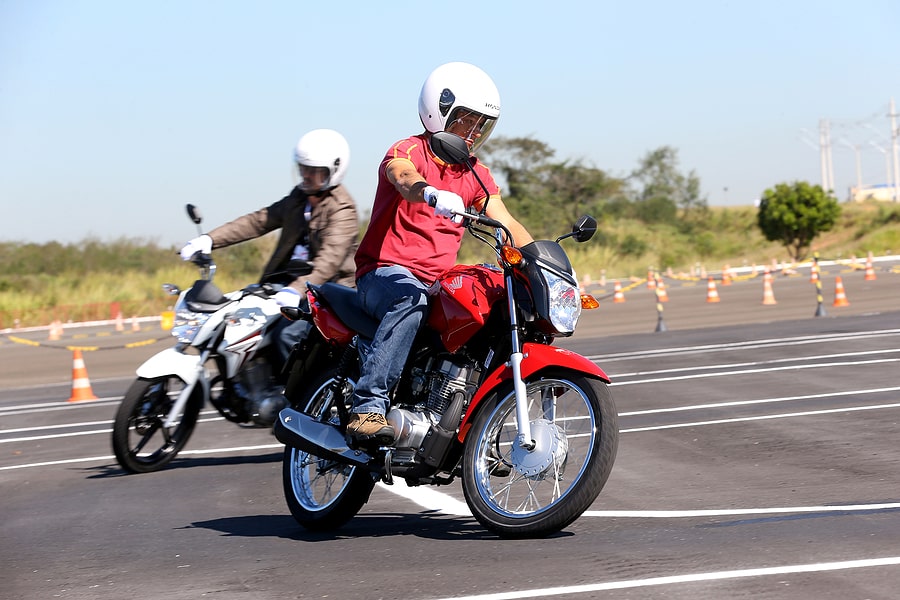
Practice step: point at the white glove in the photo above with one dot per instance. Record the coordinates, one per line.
(445, 203)
(288, 297)
(198, 244)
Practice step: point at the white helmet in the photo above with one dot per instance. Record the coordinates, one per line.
(324, 148)
(461, 95)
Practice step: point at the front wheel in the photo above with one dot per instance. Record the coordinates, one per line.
(323, 494)
(141, 442)
(516, 492)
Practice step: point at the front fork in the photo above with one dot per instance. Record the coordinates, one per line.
(523, 424)
(178, 406)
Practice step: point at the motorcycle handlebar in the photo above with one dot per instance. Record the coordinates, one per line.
(481, 219)
(484, 220)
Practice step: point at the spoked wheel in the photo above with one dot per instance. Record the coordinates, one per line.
(516, 492)
(323, 494)
(141, 441)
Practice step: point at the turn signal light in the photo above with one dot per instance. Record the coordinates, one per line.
(512, 255)
(588, 302)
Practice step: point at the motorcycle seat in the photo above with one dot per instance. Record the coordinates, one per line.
(346, 304)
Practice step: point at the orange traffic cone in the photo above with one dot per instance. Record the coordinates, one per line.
(661, 295)
(726, 277)
(712, 294)
(618, 296)
(768, 294)
(651, 280)
(135, 325)
(120, 323)
(81, 385)
(56, 331)
(840, 298)
(814, 273)
(870, 270)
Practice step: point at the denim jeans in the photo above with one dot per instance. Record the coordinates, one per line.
(286, 333)
(399, 300)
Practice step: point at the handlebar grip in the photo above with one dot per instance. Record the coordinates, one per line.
(483, 220)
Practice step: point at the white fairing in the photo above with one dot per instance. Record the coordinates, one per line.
(244, 332)
(171, 362)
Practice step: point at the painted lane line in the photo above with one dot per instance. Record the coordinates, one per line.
(756, 371)
(77, 433)
(761, 401)
(820, 357)
(760, 418)
(430, 499)
(748, 345)
(85, 424)
(693, 514)
(433, 500)
(690, 578)
(112, 458)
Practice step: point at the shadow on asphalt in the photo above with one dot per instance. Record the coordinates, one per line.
(428, 524)
(187, 462)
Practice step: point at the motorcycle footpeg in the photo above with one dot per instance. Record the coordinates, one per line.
(298, 430)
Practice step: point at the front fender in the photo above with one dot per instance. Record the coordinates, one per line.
(536, 357)
(171, 362)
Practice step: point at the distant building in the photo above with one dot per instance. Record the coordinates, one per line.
(882, 192)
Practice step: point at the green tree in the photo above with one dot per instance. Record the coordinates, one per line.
(547, 197)
(795, 213)
(663, 189)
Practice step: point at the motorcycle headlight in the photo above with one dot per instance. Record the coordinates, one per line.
(187, 323)
(564, 303)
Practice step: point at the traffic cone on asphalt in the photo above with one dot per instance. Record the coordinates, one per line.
(726, 276)
(618, 296)
(651, 280)
(814, 273)
(56, 331)
(120, 322)
(768, 294)
(870, 270)
(840, 297)
(135, 325)
(81, 385)
(661, 294)
(712, 294)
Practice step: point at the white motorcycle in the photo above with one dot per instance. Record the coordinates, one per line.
(223, 356)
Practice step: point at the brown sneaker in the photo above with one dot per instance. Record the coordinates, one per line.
(370, 426)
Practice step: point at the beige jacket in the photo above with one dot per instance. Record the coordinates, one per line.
(332, 232)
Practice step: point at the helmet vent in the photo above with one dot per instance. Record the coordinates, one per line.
(446, 101)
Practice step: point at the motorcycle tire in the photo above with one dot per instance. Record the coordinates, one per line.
(139, 440)
(323, 494)
(516, 493)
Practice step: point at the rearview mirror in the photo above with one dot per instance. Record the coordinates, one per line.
(450, 148)
(585, 228)
(194, 213)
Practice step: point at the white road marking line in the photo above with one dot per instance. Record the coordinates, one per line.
(110, 457)
(616, 384)
(761, 401)
(747, 345)
(690, 578)
(74, 433)
(760, 418)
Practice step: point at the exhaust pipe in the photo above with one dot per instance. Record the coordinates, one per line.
(298, 430)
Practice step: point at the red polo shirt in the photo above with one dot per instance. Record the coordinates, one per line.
(409, 233)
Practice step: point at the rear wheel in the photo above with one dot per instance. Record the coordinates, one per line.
(515, 492)
(141, 442)
(323, 494)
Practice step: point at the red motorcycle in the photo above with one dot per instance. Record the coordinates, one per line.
(530, 429)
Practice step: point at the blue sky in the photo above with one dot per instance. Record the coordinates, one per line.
(115, 114)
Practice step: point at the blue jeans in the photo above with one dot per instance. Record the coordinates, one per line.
(399, 300)
(285, 334)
